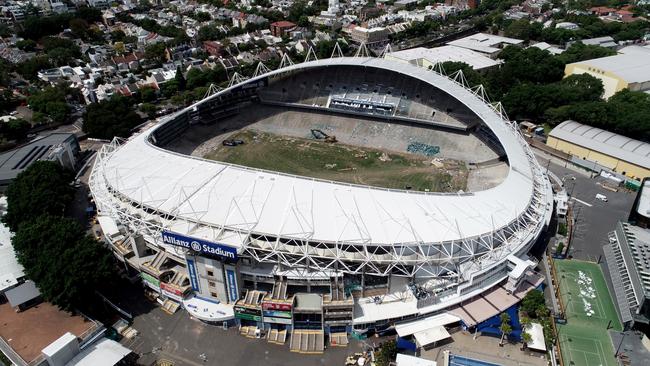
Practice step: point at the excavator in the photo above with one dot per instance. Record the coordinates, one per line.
(320, 135)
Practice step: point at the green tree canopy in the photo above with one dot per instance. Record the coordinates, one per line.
(15, 129)
(42, 188)
(66, 264)
(51, 101)
(148, 94)
(30, 68)
(387, 353)
(155, 52)
(580, 52)
(524, 29)
(531, 302)
(110, 118)
(181, 83)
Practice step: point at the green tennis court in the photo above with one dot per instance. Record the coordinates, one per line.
(589, 308)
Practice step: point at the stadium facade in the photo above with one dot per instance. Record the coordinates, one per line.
(288, 252)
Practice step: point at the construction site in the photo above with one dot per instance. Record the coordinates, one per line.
(348, 149)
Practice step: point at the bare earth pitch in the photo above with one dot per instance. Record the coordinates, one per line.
(342, 163)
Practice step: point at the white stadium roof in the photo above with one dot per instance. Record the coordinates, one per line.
(249, 200)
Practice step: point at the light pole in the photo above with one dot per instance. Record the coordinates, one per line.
(619, 344)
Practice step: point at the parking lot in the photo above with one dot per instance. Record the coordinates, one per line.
(186, 341)
(594, 218)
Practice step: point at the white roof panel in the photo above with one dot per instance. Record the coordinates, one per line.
(486, 43)
(632, 64)
(407, 329)
(406, 360)
(445, 53)
(106, 352)
(246, 199)
(608, 143)
(536, 332)
(432, 335)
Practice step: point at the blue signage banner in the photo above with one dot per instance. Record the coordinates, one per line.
(277, 314)
(194, 279)
(199, 245)
(233, 292)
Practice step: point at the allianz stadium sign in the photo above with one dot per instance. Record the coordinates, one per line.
(199, 245)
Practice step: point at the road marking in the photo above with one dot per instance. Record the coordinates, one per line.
(581, 201)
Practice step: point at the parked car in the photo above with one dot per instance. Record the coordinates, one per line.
(601, 197)
(231, 142)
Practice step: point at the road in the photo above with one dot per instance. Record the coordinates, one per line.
(594, 218)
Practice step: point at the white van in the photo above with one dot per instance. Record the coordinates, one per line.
(601, 197)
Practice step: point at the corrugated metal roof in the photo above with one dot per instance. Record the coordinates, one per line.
(631, 64)
(445, 53)
(596, 139)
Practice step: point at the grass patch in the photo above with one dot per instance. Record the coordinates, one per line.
(343, 163)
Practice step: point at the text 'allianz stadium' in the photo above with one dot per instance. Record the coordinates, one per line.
(217, 232)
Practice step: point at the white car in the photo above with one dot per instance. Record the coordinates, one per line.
(601, 197)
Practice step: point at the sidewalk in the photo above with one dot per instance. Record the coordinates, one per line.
(486, 349)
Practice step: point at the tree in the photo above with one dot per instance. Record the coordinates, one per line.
(42, 188)
(155, 52)
(26, 45)
(66, 264)
(580, 52)
(118, 35)
(386, 354)
(531, 303)
(169, 88)
(202, 16)
(299, 9)
(303, 21)
(79, 28)
(524, 29)
(505, 327)
(51, 101)
(30, 68)
(61, 51)
(180, 79)
(195, 78)
(149, 109)
(209, 33)
(110, 118)
(148, 94)
(16, 129)
(526, 338)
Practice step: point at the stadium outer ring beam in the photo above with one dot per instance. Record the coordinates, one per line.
(461, 257)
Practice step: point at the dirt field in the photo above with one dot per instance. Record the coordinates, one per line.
(343, 163)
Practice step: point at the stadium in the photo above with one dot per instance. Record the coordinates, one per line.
(330, 197)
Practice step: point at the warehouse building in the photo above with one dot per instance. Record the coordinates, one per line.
(59, 147)
(428, 57)
(487, 44)
(604, 150)
(629, 69)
